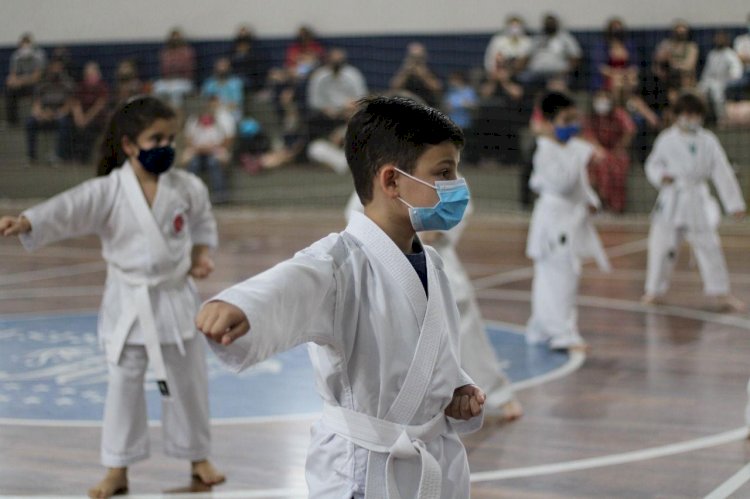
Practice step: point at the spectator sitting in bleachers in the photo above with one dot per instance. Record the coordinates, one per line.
(89, 111)
(414, 76)
(227, 87)
(50, 110)
(127, 83)
(499, 117)
(208, 146)
(247, 62)
(460, 100)
(680, 52)
(723, 66)
(611, 130)
(512, 43)
(176, 70)
(555, 53)
(27, 65)
(737, 89)
(332, 93)
(304, 54)
(613, 61)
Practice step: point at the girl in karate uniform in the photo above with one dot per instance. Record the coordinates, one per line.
(156, 230)
(685, 157)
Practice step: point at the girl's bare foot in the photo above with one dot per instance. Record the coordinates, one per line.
(649, 299)
(206, 473)
(730, 303)
(115, 482)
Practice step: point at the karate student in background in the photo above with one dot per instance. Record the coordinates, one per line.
(156, 230)
(684, 158)
(377, 308)
(477, 353)
(561, 232)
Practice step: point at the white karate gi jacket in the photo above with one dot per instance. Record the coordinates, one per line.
(147, 250)
(386, 361)
(691, 159)
(561, 215)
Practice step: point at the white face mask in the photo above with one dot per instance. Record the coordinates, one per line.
(691, 125)
(602, 106)
(515, 30)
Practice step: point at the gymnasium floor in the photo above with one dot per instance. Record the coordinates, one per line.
(655, 410)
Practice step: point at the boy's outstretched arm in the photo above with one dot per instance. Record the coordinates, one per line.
(222, 322)
(467, 402)
(13, 226)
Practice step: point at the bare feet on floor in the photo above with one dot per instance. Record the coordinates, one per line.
(730, 303)
(649, 299)
(206, 473)
(115, 482)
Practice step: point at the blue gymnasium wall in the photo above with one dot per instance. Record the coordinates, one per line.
(378, 57)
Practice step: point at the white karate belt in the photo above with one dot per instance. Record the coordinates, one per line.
(140, 309)
(397, 440)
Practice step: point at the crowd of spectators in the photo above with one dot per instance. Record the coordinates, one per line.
(313, 91)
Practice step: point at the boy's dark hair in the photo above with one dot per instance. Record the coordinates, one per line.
(393, 130)
(129, 120)
(553, 103)
(689, 103)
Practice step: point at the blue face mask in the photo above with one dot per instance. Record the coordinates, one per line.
(157, 160)
(567, 132)
(447, 213)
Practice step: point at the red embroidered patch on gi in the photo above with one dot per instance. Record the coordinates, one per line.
(178, 224)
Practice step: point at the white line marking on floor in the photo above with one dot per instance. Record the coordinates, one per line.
(523, 273)
(613, 459)
(52, 273)
(731, 486)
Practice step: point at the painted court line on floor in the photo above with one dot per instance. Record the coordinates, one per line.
(731, 486)
(52, 273)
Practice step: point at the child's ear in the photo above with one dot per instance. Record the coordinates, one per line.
(386, 180)
(128, 147)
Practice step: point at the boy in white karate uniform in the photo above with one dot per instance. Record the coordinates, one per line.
(377, 308)
(477, 353)
(561, 232)
(684, 158)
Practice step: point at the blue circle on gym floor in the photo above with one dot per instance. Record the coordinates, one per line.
(51, 368)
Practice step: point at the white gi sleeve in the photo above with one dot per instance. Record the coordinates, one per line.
(201, 219)
(289, 304)
(77, 212)
(724, 179)
(656, 163)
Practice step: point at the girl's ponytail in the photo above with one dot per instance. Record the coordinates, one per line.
(128, 120)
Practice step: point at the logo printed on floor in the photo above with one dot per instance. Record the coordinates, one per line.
(51, 367)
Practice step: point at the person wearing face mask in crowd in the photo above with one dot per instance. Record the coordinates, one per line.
(228, 87)
(127, 82)
(49, 111)
(512, 43)
(610, 130)
(684, 158)
(738, 89)
(157, 231)
(723, 66)
(416, 77)
(613, 61)
(680, 53)
(177, 70)
(332, 94)
(555, 54)
(561, 233)
(89, 111)
(27, 65)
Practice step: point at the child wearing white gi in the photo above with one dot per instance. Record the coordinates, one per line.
(156, 230)
(561, 232)
(477, 353)
(684, 158)
(377, 309)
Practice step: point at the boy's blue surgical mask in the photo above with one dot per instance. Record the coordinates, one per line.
(447, 213)
(157, 160)
(567, 132)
